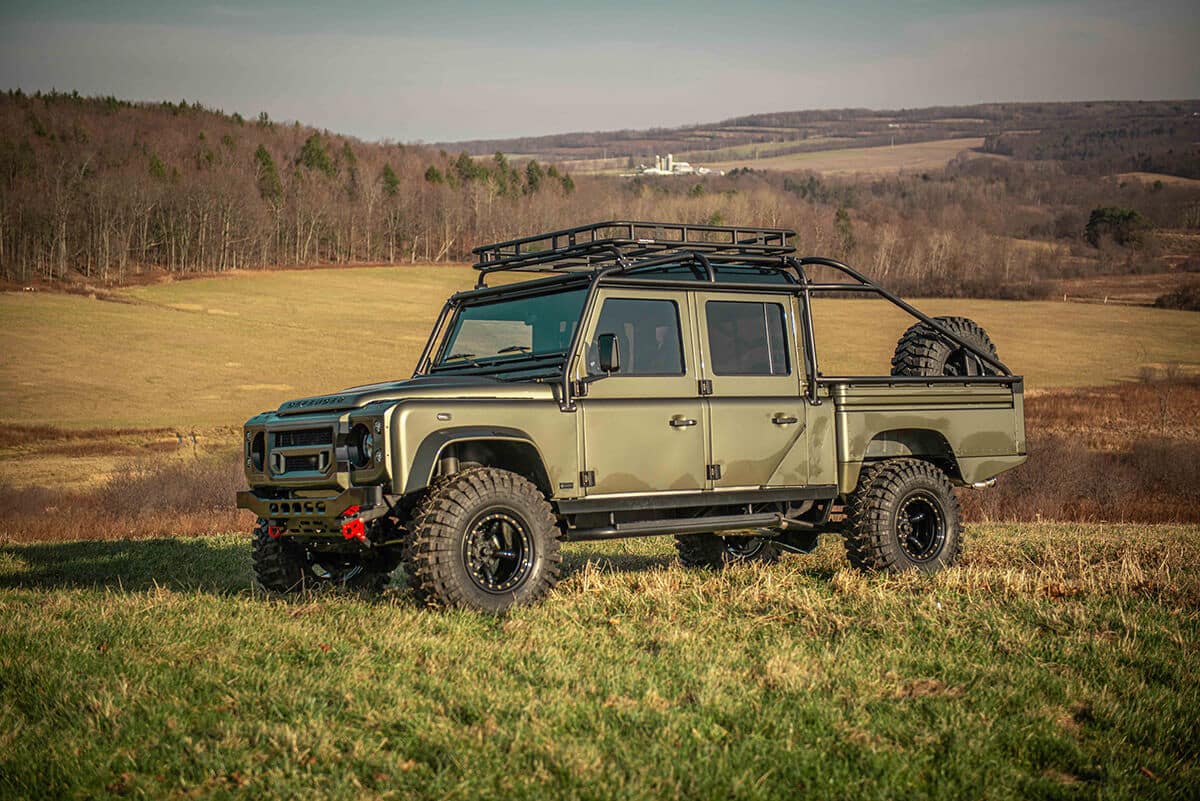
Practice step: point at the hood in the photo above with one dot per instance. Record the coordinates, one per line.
(426, 386)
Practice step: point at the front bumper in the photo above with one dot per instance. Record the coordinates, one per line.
(323, 509)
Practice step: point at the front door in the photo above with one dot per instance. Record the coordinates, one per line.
(756, 411)
(643, 426)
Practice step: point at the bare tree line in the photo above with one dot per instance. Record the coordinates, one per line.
(104, 189)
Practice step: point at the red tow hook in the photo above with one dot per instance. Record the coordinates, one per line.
(275, 532)
(352, 527)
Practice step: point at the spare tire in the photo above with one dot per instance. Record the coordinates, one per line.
(923, 351)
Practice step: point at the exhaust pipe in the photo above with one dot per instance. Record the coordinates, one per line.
(991, 482)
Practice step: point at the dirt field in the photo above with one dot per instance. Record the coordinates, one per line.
(871, 160)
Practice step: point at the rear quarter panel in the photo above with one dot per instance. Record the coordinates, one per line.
(981, 427)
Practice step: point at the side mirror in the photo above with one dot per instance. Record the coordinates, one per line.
(609, 353)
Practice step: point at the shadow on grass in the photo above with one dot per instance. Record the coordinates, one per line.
(218, 566)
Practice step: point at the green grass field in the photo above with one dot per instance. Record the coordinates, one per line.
(1056, 662)
(209, 353)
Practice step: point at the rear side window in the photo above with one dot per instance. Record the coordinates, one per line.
(647, 334)
(746, 338)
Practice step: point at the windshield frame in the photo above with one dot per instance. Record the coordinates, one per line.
(551, 362)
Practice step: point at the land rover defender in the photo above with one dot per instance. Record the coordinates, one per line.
(656, 379)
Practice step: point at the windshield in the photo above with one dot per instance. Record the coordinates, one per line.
(537, 326)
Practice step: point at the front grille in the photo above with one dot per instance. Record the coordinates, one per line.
(304, 437)
(295, 463)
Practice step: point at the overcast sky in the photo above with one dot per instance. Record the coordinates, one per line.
(459, 69)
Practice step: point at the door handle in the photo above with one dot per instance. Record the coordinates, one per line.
(783, 421)
(682, 422)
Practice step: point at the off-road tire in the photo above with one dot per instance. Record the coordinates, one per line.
(441, 556)
(923, 351)
(890, 495)
(714, 552)
(286, 567)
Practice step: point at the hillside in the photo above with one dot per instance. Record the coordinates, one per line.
(1158, 136)
(97, 191)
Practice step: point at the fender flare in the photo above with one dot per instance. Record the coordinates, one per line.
(928, 444)
(431, 448)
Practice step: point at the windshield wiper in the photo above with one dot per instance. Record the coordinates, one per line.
(465, 358)
(514, 348)
(497, 362)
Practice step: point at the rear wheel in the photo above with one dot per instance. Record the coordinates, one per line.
(285, 566)
(924, 351)
(716, 552)
(903, 516)
(484, 539)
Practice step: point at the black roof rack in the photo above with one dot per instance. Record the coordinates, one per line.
(621, 242)
(633, 252)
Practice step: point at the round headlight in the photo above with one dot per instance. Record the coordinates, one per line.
(361, 445)
(258, 450)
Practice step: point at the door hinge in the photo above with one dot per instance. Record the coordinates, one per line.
(714, 472)
(705, 386)
(579, 389)
(587, 478)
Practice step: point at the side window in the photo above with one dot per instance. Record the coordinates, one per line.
(647, 334)
(746, 338)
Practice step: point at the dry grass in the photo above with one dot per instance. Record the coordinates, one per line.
(1154, 482)
(211, 352)
(1052, 344)
(1153, 177)
(60, 458)
(1142, 289)
(867, 160)
(162, 498)
(1162, 404)
(1121, 453)
(284, 335)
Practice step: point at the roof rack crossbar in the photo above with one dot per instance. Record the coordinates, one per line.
(621, 241)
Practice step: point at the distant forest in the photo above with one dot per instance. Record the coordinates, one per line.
(99, 190)
(1094, 136)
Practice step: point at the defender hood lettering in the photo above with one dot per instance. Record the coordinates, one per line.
(468, 387)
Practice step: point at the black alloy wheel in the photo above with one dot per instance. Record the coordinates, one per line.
(498, 551)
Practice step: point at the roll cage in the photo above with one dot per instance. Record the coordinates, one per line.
(680, 256)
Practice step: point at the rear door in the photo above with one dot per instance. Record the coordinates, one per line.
(756, 413)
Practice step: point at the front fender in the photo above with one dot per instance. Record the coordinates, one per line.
(424, 462)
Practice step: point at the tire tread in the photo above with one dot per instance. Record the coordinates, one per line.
(869, 510)
(431, 546)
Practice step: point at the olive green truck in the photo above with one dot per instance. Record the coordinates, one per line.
(655, 379)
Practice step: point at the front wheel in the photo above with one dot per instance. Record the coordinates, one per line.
(903, 516)
(483, 539)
